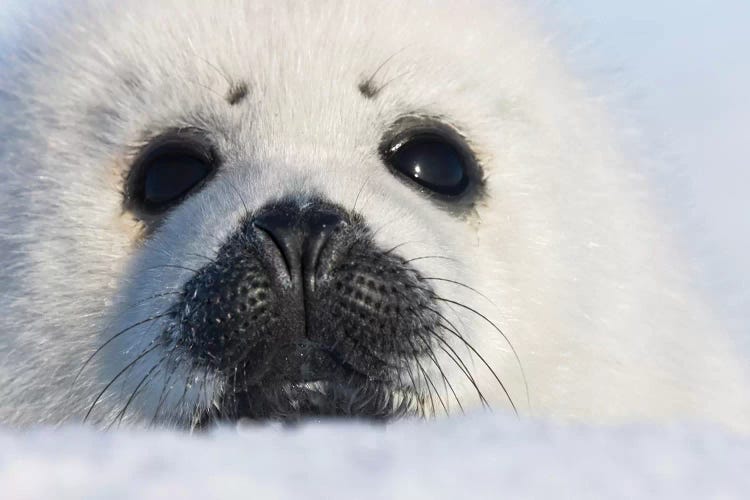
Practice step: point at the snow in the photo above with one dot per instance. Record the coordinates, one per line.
(476, 456)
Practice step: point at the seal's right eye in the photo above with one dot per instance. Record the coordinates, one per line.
(168, 178)
(168, 170)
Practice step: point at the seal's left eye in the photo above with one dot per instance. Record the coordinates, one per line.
(432, 161)
(167, 171)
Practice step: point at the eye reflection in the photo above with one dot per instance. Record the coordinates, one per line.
(432, 162)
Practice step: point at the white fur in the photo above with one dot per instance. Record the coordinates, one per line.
(576, 269)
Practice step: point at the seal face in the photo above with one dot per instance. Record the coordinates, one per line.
(255, 209)
(300, 312)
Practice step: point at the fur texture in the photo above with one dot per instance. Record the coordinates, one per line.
(571, 262)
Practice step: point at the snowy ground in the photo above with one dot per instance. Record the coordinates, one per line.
(473, 457)
(685, 64)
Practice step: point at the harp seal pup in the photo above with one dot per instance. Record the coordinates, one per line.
(280, 210)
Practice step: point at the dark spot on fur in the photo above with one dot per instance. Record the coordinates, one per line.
(368, 89)
(237, 93)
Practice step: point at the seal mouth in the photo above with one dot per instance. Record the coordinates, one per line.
(356, 396)
(305, 381)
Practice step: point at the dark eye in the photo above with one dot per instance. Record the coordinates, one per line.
(170, 177)
(168, 170)
(433, 160)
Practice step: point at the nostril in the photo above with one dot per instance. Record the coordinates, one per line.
(283, 232)
(300, 236)
(321, 227)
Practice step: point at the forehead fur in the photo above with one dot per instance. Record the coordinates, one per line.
(299, 68)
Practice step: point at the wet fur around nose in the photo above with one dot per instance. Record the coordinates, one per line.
(244, 295)
(244, 314)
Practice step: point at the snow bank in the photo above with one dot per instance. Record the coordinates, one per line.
(481, 456)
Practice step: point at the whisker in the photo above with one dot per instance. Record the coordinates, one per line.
(166, 389)
(507, 340)
(197, 414)
(204, 86)
(393, 249)
(383, 226)
(119, 374)
(187, 385)
(359, 193)
(446, 383)
(440, 257)
(456, 358)
(208, 259)
(220, 72)
(416, 386)
(428, 378)
(386, 61)
(142, 302)
(486, 364)
(393, 79)
(239, 195)
(462, 285)
(115, 336)
(118, 418)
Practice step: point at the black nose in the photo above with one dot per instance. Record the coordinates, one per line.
(300, 236)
